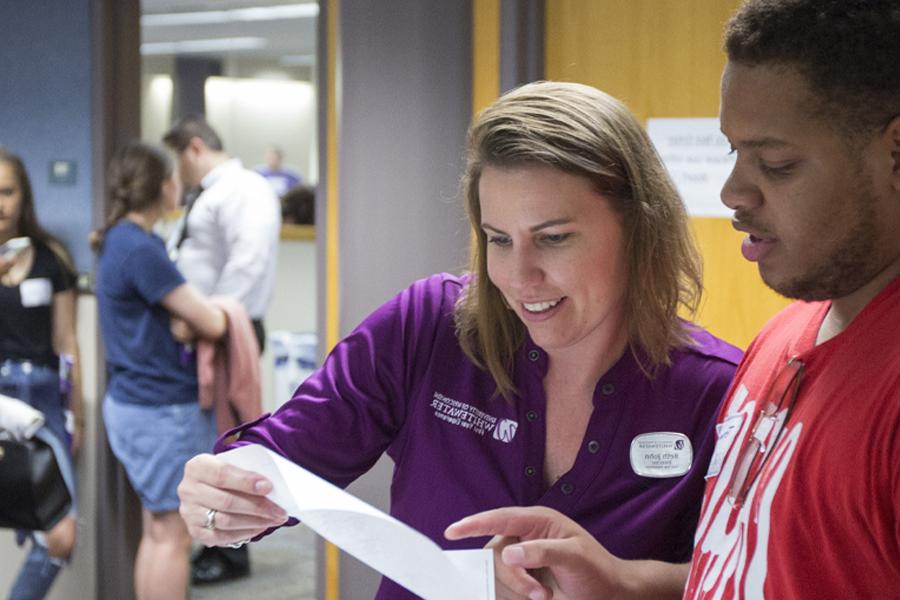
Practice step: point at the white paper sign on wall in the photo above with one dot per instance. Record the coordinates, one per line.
(697, 156)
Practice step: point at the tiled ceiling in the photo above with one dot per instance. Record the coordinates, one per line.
(283, 37)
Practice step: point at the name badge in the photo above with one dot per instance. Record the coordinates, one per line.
(661, 454)
(36, 292)
(725, 434)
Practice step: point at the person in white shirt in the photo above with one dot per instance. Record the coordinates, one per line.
(226, 244)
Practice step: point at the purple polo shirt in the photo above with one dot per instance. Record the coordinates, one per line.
(399, 383)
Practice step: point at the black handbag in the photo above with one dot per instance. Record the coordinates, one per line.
(33, 493)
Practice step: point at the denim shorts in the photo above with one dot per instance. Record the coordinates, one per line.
(38, 386)
(153, 442)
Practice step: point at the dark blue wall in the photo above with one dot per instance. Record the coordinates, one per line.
(45, 108)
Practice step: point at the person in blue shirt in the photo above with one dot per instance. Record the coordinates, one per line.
(150, 410)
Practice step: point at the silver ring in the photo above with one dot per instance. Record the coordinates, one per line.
(239, 543)
(210, 519)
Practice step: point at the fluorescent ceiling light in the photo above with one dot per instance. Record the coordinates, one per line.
(298, 60)
(200, 46)
(236, 15)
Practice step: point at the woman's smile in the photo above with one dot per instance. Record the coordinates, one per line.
(555, 252)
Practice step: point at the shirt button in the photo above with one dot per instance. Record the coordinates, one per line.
(567, 489)
(530, 471)
(531, 415)
(593, 446)
(533, 355)
(608, 389)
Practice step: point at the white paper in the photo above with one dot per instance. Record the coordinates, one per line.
(392, 548)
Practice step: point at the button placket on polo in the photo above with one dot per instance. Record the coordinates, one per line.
(531, 471)
(592, 454)
(531, 415)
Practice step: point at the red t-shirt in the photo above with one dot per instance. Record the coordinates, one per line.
(822, 518)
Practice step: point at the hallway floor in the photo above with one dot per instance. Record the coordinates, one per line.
(282, 567)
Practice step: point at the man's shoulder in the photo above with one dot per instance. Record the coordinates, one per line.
(252, 175)
(791, 318)
(239, 182)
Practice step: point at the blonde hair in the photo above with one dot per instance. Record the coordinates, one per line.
(585, 132)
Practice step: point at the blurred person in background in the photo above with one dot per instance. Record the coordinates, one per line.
(39, 355)
(281, 178)
(298, 206)
(153, 419)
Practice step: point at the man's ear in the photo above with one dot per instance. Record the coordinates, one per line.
(892, 139)
(196, 145)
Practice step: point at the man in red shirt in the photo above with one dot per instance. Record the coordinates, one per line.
(803, 490)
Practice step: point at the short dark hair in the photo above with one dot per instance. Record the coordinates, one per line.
(298, 205)
(848, 50)
(193, 126)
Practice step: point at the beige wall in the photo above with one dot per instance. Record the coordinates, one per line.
(293, 306)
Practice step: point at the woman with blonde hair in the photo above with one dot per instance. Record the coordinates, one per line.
(556, 372)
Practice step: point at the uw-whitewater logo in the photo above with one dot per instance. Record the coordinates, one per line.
(505, 430)
(468, 417)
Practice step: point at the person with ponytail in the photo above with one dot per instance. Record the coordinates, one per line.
(37, 337)
(150, 410)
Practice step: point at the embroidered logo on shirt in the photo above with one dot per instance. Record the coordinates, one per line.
(475, 420)
(505, 430)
